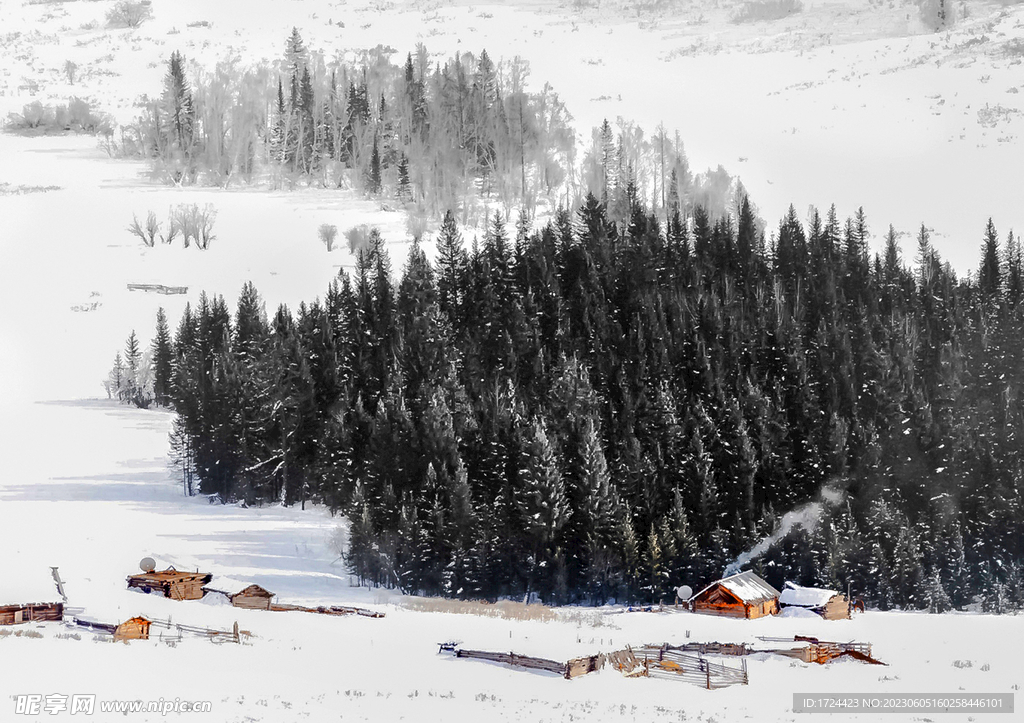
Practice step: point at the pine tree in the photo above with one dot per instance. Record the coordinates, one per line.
(989, 273)
(654, 566)
(163, 360)
(404, 190)
(114, 384)
(452, 266)
(938, 600)
(178, 111)
(543, 505)
(374, 181)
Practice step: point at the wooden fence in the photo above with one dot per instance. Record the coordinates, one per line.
(648, 661)
(328, 610)
(522, 661)
(158, 288)
(234, 635)
(822, 651)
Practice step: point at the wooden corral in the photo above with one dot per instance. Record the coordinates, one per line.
(172, 583)
(829, 604)
(133, 629)
(30, 613)
(669, 661)
(743, 595)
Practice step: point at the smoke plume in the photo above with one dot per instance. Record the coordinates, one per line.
(805, 516)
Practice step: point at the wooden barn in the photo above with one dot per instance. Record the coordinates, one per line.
(743, 595)
(28, 596)
(829, 604)
(172, 583)
(132, 629)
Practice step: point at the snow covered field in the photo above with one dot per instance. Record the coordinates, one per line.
(856, 107)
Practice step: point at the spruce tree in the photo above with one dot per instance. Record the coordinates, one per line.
(163, 360)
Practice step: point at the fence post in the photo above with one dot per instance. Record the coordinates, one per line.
(707, 669)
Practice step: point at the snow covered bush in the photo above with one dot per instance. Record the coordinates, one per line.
(76, 115)
(129, 14)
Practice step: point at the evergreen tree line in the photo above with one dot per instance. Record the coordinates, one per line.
(599, 410)
(464, 134)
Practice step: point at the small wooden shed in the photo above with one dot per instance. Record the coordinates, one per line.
(172, 583)
(133, 629)
(253, 597)
(829, 604)
(743, 595)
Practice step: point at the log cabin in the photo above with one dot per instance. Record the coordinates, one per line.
(172, 583)
(743, 595)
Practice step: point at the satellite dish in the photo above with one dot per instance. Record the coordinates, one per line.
(684, 592)
(148, 564)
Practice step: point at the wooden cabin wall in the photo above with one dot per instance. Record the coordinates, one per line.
(251, 602)
(734, 610)
(14, 614)
(837, 608)
(185, 589)
(134, 629)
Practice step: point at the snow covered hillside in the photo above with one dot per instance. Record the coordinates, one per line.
(851, 103)
(848, 103)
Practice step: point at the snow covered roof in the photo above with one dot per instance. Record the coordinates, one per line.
(232, 586)
(805, 597)
(27, 585)
(746, 586)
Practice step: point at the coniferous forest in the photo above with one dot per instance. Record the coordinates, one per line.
(620, 401)
(592, 412)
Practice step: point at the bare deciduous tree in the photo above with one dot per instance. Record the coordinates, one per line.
(129, 14)
(203, 225)
(173, 226)
(328, 233)
(148, 233)
(70, 71)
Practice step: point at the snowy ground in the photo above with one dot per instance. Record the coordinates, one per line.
(856, 108)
